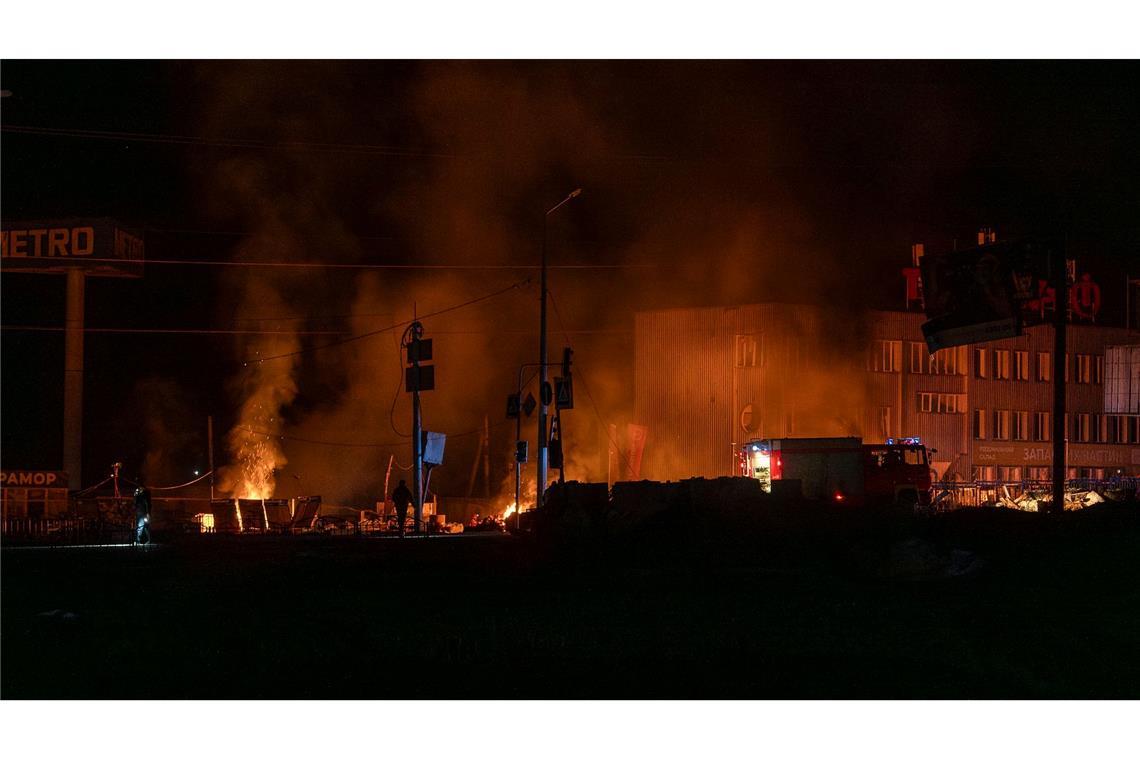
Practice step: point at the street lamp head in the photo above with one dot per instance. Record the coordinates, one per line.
(576, 193)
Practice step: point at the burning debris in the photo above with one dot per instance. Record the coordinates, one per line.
(1034, 501)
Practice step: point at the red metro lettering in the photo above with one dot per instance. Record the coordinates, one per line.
(57, 242)
(1084, 298)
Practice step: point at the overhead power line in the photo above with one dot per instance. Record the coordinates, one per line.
(336, 265)
(227, 142)
(355, 445)
(394, 326)
(171, 331)
(586, 387)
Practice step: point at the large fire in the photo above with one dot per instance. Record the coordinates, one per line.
(258, 457)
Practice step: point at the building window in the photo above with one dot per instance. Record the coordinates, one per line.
(1041, 426)
(1037, 473)
(1117, 433)
(886, 356)
(948, 361)
(1021, 365)
(1098, 369)
(1098, 428)
(1044, 367)
(885, 422)
(1084, 368)
(1009, 474)
(942, 403)
(1133, 429)
(747, 351)
(918, 356)
(1084, 428)
(1021, 426)
(980, 424)
(1001, 365)
(981, 366)
(983, 473)
(1001, 424)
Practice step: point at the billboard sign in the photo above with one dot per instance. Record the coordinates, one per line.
(969, 298)
(100, 247)
(33, 479)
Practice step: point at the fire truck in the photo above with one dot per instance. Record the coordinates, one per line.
(842, 469)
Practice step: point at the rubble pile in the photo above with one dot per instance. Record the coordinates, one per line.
(1035, 501)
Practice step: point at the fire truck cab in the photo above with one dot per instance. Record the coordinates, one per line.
(897, 471)
(843, 469)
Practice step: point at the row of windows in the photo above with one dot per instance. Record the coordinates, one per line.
(1006, 425)
(1015, 365)
(996, 364)
(942, 403)
(1015, 474)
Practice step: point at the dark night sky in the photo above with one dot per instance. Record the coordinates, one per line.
(740, 181)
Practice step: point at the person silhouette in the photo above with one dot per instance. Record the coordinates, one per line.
(402, 498)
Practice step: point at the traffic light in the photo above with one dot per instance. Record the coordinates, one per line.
(419, 377)
(520, 451)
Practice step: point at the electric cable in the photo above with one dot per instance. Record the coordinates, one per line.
(339, 265)
(403, 323)
(198, 479)
(586, 387)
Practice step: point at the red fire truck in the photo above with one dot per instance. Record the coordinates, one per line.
(843, 469)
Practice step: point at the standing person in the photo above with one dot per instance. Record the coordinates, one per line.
(142, 515)
(402, 497)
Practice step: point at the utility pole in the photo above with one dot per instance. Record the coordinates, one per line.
(1060, 277)
(210, 451)
(564, 399)
(73, 379)
(520, 444)
(486, 456)
(545, 392)
(418, 377)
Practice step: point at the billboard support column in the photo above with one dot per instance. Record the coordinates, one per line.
(1060, 316)
(73, 380)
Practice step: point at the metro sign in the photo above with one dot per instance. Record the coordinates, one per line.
(100, 247)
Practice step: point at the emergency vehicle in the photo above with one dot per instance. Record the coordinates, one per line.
(843, 469)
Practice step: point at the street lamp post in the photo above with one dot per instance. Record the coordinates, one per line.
(544, 379)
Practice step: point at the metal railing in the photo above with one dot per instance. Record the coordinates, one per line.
(64, 531)
(950, 495)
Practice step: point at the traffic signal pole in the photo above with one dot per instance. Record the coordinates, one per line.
(418, 349)
(544, 374)
(1060, 278)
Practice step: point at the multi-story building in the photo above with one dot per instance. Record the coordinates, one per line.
(707, 380)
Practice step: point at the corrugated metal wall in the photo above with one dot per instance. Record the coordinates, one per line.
(692, 387)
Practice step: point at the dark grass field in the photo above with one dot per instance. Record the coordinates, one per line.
(813, 605)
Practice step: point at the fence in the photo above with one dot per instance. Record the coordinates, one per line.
(950, 495)
(18, 531)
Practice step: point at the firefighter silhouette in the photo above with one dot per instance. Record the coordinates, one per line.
(142, 515)
(402, 498)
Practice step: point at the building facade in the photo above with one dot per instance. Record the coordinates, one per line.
(707, 380)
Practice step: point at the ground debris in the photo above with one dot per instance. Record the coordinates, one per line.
(916, 559)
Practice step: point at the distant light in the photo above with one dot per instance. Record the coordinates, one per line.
(195, 472)
(839, 497)
(755, 448)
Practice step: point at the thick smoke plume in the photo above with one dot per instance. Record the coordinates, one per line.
(496, 145)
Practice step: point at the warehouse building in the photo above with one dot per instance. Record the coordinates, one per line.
(709, 379)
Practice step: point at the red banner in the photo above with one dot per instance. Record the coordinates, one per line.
(636, 435)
